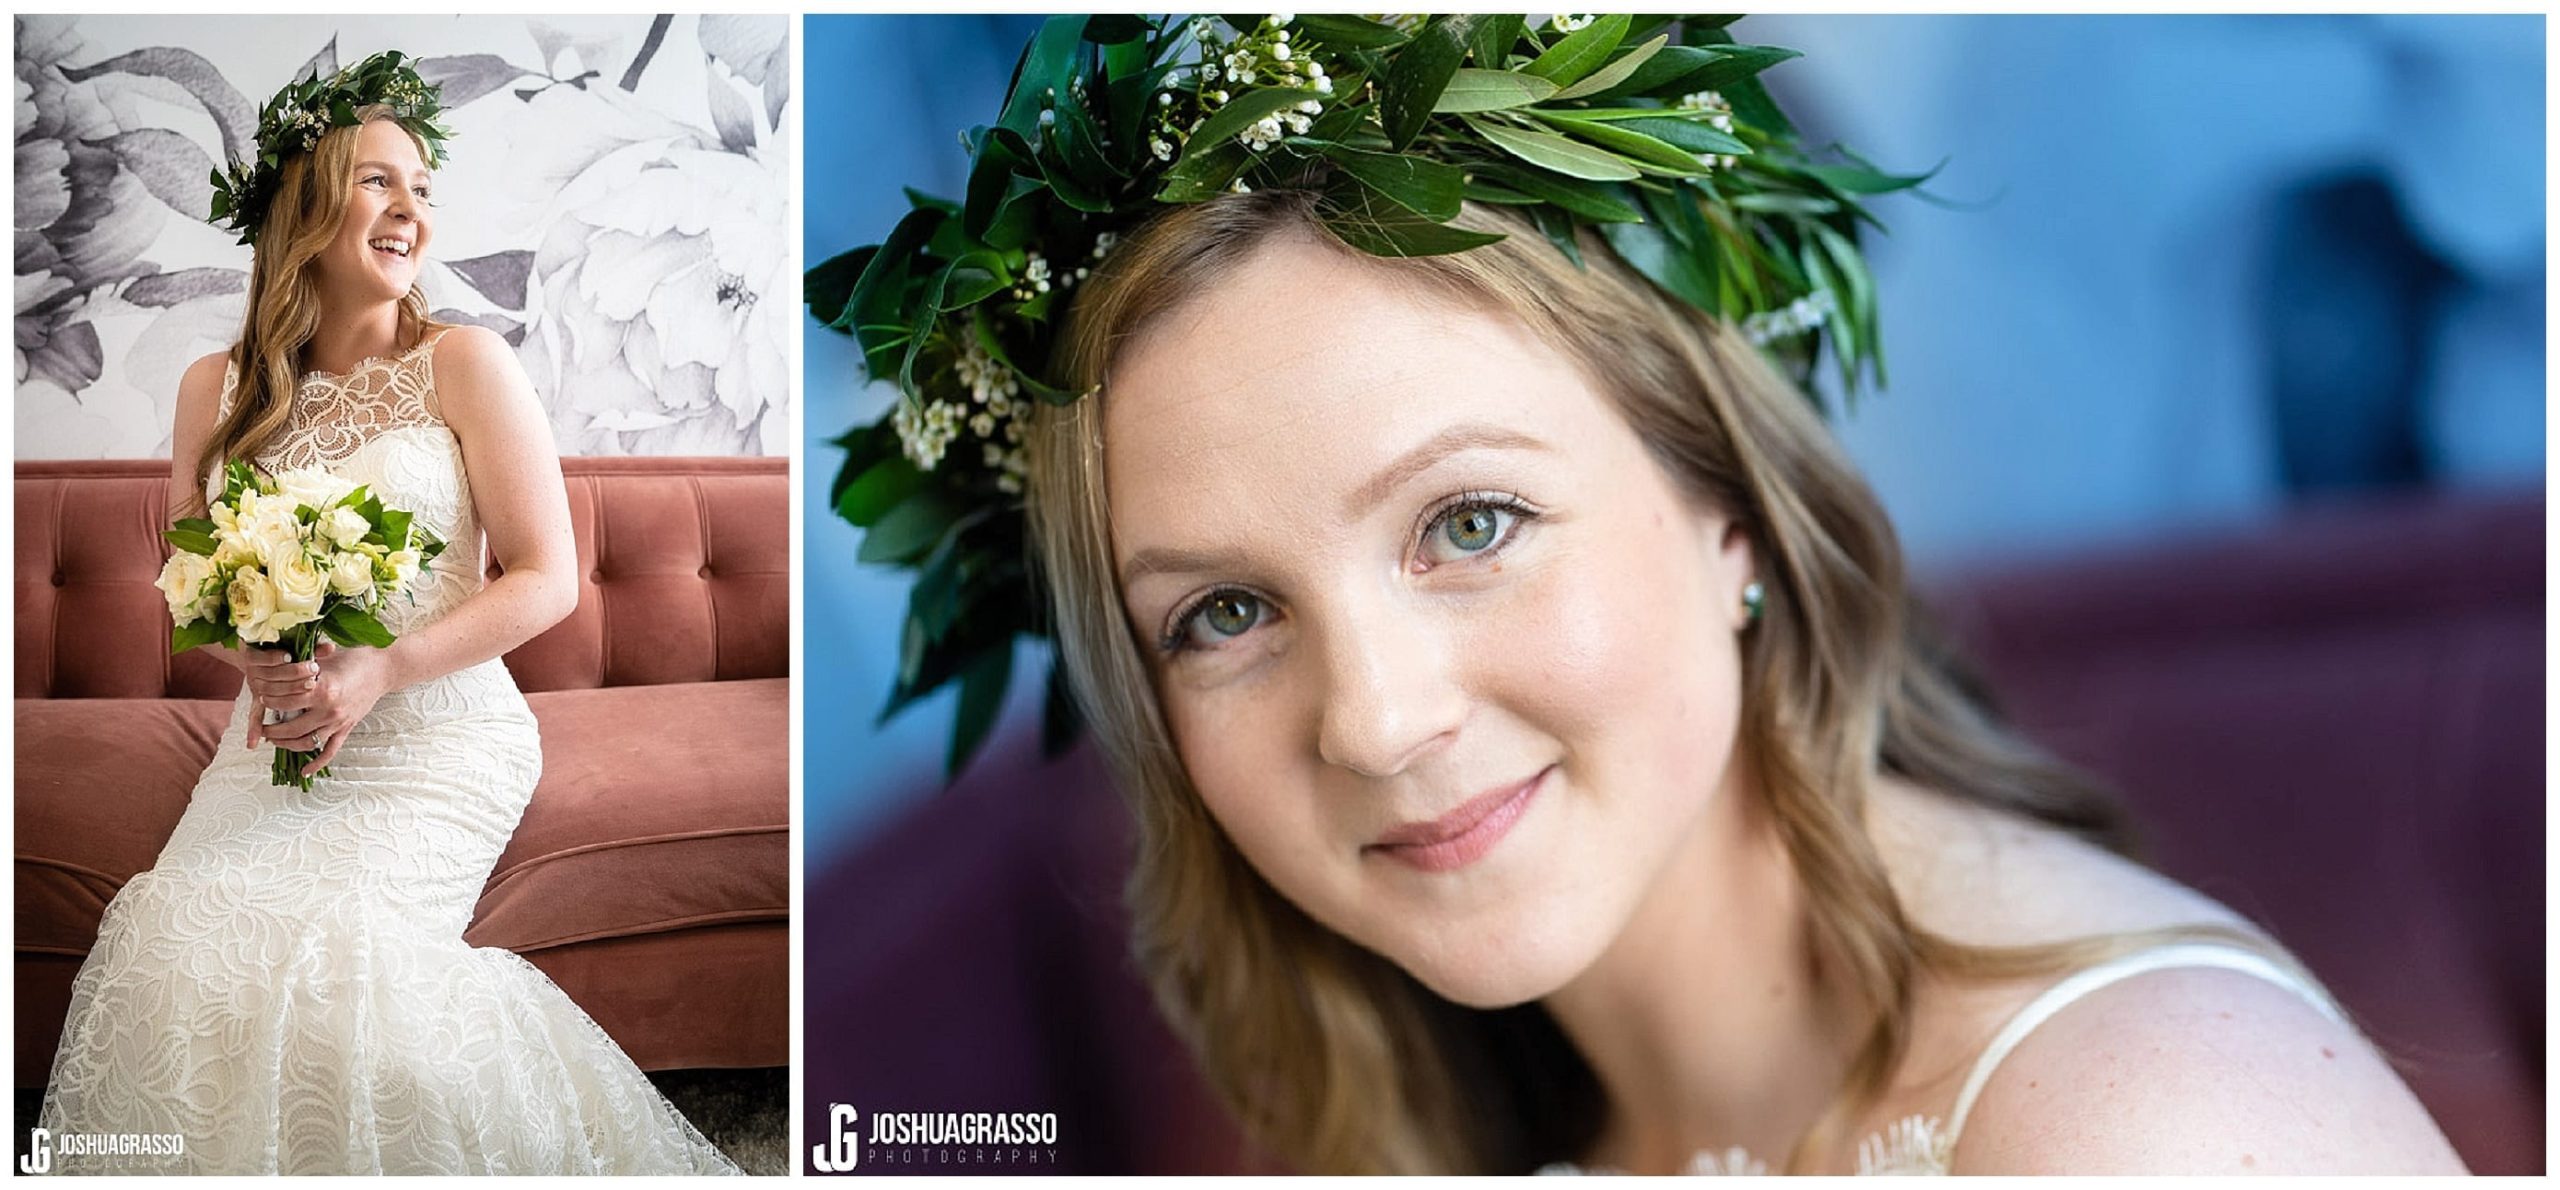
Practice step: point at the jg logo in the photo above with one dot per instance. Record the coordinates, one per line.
(39, 1158)
(843, 1147)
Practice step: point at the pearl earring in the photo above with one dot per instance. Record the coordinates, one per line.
(1752, 597)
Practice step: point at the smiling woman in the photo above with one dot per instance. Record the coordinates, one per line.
(1537, 758)
(287, 988)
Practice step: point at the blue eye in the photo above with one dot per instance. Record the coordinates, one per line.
(1225, 615)
(1471, 529)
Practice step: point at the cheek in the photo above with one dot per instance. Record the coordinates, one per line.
(1633, 672)
(1246, 752)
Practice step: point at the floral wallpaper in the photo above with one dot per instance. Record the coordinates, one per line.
(617, 203)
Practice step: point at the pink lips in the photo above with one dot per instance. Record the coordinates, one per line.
(1461, 836)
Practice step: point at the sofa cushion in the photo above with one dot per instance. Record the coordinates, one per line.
(650, 817)
(661, 807)
(101, 783)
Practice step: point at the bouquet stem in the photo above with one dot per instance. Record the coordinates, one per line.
(302, 642)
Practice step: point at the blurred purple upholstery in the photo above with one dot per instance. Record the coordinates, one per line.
(2333, 723)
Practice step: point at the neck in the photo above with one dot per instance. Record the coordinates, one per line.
(350, 334)
(1706, 1021)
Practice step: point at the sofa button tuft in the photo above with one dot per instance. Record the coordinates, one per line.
(705, 572)
(58, 580)
(596, 577)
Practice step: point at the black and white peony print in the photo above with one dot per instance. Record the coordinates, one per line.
(617, 203)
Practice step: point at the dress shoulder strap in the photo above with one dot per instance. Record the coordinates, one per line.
(2054, 999)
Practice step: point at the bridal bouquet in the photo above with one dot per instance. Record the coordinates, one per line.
(285, 560)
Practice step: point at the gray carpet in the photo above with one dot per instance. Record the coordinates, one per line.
(745, 1112)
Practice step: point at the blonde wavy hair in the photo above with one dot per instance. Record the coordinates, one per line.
(1332, 1058)
(284, 301)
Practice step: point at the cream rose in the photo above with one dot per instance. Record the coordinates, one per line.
(253, 607)
(182, 582)
(404, 566)
(300, 586)
(351, 575)
(345, 527)
(317, 489)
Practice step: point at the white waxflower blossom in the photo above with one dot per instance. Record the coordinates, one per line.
(1794, 318)
(1574, 22)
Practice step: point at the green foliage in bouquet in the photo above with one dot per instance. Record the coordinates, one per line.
(352, 553)
(1653, 131)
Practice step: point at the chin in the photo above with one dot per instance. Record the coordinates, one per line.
(1500, 967)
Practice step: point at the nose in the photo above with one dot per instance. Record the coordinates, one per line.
(1392, 694)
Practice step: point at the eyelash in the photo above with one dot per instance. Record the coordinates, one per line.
(1178, 639)
(424, 194)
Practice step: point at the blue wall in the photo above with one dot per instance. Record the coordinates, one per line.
(2199, 269)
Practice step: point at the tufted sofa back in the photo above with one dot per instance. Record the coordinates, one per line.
(684, 565)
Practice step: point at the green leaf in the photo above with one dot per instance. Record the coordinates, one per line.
(1582, 51)
(1114, 28)
(982, 686)
(1431, 189)
(909, 529)
(1473, 90)
(1634, 146)
(1592, 200)
(1479, 190)
(828, 287)
(971, 279)
(192, 541)
(1360, 217)
(1682, 273)
(351, 625)
(1856, 180)
(1492, 38)
(1422, 69)
(1240, 113)
(1349, 32)
(1615, 72)
(1560, 231)
(395, 528)
(878, 489)
(1549, 151)
(1203, 176)
(197, 635)
(1048, 63)
(1694, 136)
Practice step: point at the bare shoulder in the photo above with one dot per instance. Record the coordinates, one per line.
(473, 357)
(2197, 1070)
(200, 386)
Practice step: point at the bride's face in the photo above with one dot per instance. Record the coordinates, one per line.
(1441, 646)
(382, 239)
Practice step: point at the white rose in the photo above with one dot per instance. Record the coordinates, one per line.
(182, 581)
(351, 575)
(299, 586)
(404, 566)
(253, 607)
(345, 526)
(318, 489)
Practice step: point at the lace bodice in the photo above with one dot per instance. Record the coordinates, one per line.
(379, 424)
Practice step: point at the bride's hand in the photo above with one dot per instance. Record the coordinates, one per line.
(349, 682)
(276, 681)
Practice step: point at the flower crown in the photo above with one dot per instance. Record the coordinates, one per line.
(293, 121)
(1654, 130)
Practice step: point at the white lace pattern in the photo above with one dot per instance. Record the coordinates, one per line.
(287, 988)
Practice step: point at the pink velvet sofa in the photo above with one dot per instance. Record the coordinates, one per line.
(650, 877)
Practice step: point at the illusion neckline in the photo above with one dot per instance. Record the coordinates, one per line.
(372, 361)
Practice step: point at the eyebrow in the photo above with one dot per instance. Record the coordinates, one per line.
(1428, 454)
(389, 168)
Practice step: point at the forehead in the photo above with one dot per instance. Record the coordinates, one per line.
(1289, 384)
(387, 142)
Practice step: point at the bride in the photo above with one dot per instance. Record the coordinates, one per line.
(1538, 758)
(287, 990)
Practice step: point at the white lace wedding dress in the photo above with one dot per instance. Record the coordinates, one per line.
(287, 989)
